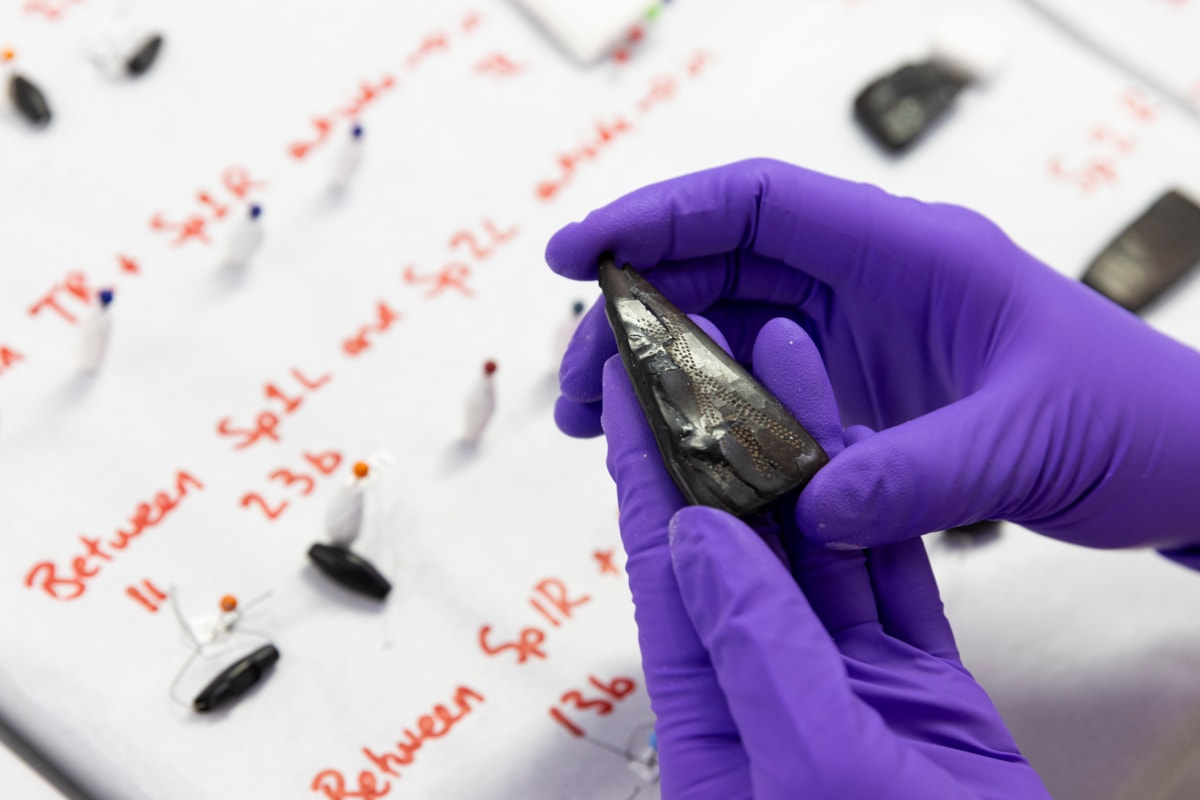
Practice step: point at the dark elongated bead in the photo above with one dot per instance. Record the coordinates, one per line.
(726, 440)
(29, 100)
(349, 570)
(897, 108)
(1149, 256)
(236, 679)
(144, 58)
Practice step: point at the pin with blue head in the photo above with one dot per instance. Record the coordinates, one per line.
(245, 237)
(97, 329)
(347, 158)
(643, 762)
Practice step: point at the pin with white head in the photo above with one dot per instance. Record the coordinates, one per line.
(566, 330)
(97, 329)
(245, 237)
(481, 404)
(346, 158)
(344, 515)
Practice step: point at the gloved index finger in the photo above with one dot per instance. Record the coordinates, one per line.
(824, 226)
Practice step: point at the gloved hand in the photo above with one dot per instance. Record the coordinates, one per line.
(1005, 390)
(845, 686)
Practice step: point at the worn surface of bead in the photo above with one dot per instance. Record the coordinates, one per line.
(726, 440)
(897, 108)
(1149, 256)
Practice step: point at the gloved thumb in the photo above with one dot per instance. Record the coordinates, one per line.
(783, 677)
(968, 461)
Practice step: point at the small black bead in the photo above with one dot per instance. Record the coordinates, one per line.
(349, 570)
(29, 100)
(144, 58)
(236, 679)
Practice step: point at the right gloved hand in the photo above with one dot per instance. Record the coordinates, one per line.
(1003, 389)
(840, 680)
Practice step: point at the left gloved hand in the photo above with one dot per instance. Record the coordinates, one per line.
(843, 682)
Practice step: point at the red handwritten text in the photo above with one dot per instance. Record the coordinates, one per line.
(266, 423)
(71, 583)
(551, 600)
(332, 783)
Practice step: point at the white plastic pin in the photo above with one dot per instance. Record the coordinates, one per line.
(97, 329)
(344, 515)
(347, 158)
(566, 330)
(245, 238)
(974, 46)
(121, 50)
(588, 31)
(481, 404)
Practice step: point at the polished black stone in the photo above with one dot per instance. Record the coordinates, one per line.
(726, 440)
(145, 56)
(236, 679)
(29, 100)
(349, 570)
(897, 108)
(1149, 256)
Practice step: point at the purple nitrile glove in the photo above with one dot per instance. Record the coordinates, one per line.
(845, 686)
(1004, 390)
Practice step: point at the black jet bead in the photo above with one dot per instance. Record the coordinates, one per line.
(726, 440)
(29, 100)
(144, 58)
(236, 679)
(1149, 256)
(349, 570)
(899, 107)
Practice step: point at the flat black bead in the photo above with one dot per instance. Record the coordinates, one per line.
(349, 570)
(29, 100)
(1149, 256)
(236, 679)
(897, 108)
(144, 58)
(726, 440)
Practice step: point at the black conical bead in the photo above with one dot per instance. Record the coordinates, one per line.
(726, 440)
(144, 58)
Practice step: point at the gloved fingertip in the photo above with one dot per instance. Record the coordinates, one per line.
(856, 433)
(568, 253)
(578, 420)
(852, 504)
